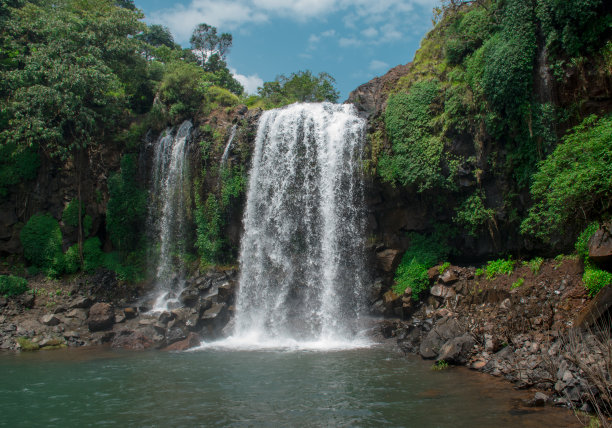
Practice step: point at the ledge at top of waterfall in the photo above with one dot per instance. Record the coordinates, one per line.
(302, 259)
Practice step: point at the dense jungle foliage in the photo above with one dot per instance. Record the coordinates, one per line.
(81, 76)
(486, 99)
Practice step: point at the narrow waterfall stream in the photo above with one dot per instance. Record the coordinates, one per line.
(301, 261)
(169, 200)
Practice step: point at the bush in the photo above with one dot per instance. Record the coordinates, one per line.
(499, 267)
(127, 207)
(209, 222)
(535, 265)
(16, 166)
(473, 215)
(93, 257)
(41, 239)
(12, 285)
(424, 252)
(574, 184)
(595, 279)
(416, 152)
(582, 243)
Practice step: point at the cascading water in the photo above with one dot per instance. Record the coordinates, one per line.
(169, 199)
(301, 259)
(228, 148)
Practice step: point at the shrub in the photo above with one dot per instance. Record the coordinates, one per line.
(41, 239)
(416, 152)
(535, 265)
(127, 207)
(595, 279)
(574, 184)
(499, 267)
(209, 221)
(517, 283)
(472, 214)
(16, 165)
(12, 285)
(582, 243)
(479, 272)
(72, 261)
(93, 257)
(424, 252)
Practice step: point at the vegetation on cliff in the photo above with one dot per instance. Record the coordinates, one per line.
(504, 118)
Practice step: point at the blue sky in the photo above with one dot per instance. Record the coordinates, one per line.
(353, 40)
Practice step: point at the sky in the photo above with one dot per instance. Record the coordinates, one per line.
(353, 40)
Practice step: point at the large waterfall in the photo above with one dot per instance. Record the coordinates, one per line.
(169, 201)
(301, 260)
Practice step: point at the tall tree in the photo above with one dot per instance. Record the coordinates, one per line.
(206, 42)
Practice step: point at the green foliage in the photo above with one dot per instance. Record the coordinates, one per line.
(127, 207)
(233, 183)
(516, 284)
(582, 243)
(69, 81)
(16, 165)
(26, 344)
(479, 272)
(181, 89)
(535, 264)
(70, 216)
(72, 260)
(473, 215)
(416, 151)
(221, 97)
(302, 86)
(41, 239)
(209, 222)
(440, 365)
(93, 257)
(499, 267)
(443, 267)
(595, 279)
(574, 184)
(424, 252)
(12, 285)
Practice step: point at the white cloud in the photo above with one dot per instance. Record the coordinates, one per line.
(346, 42)
(378, 20)
(370, 32)
(376, 65)
(250, 83)
(314, 39)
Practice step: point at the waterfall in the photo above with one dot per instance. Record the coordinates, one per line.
(168, 202)
(301, 259)
(226, 152)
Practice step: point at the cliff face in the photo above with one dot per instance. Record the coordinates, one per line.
(489, 148)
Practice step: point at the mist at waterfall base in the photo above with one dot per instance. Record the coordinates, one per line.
(302, 269)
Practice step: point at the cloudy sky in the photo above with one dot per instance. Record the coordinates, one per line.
(353, 40)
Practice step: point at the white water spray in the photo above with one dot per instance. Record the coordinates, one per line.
(301, 260)
(169, 199)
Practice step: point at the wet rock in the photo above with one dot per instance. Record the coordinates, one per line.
(388, 260)
(101, 317)
(71, 335)
(141, 338)
(50, 319)
(165, 317)
(51, 342)
(457, 350)
(79, 314)
(175, 334)
(187, 317)
(191, 341)
(375, 290)
(443, 331)
(130, 313)
(214, 319)
(226, 291)
(189, 297)
(378, 308)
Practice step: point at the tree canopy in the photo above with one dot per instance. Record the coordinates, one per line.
(302, 86)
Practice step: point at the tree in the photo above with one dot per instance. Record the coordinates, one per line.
(206, 42)
(302, 86)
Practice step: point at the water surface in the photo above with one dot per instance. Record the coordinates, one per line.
(361, 387)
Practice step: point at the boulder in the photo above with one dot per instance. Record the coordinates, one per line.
(77, 313)
(443, 331)
(101, 317)
(226, 292)
(442, 291)
(449, 277)
(457, 350)
(214, 319)
(141, 338)
(175, 334)
(188, 317)
(433, 272)
(50, 320)
(189, 297)
(388, 260)
(130, 313)
(80, 302)
(191, 341)
(600, 246)
(596, 309)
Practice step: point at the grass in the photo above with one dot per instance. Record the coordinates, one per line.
(516, 284)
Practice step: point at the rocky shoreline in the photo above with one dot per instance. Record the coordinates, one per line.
(541, 334)
(96, 309)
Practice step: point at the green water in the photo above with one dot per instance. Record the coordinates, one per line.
(361, 387)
